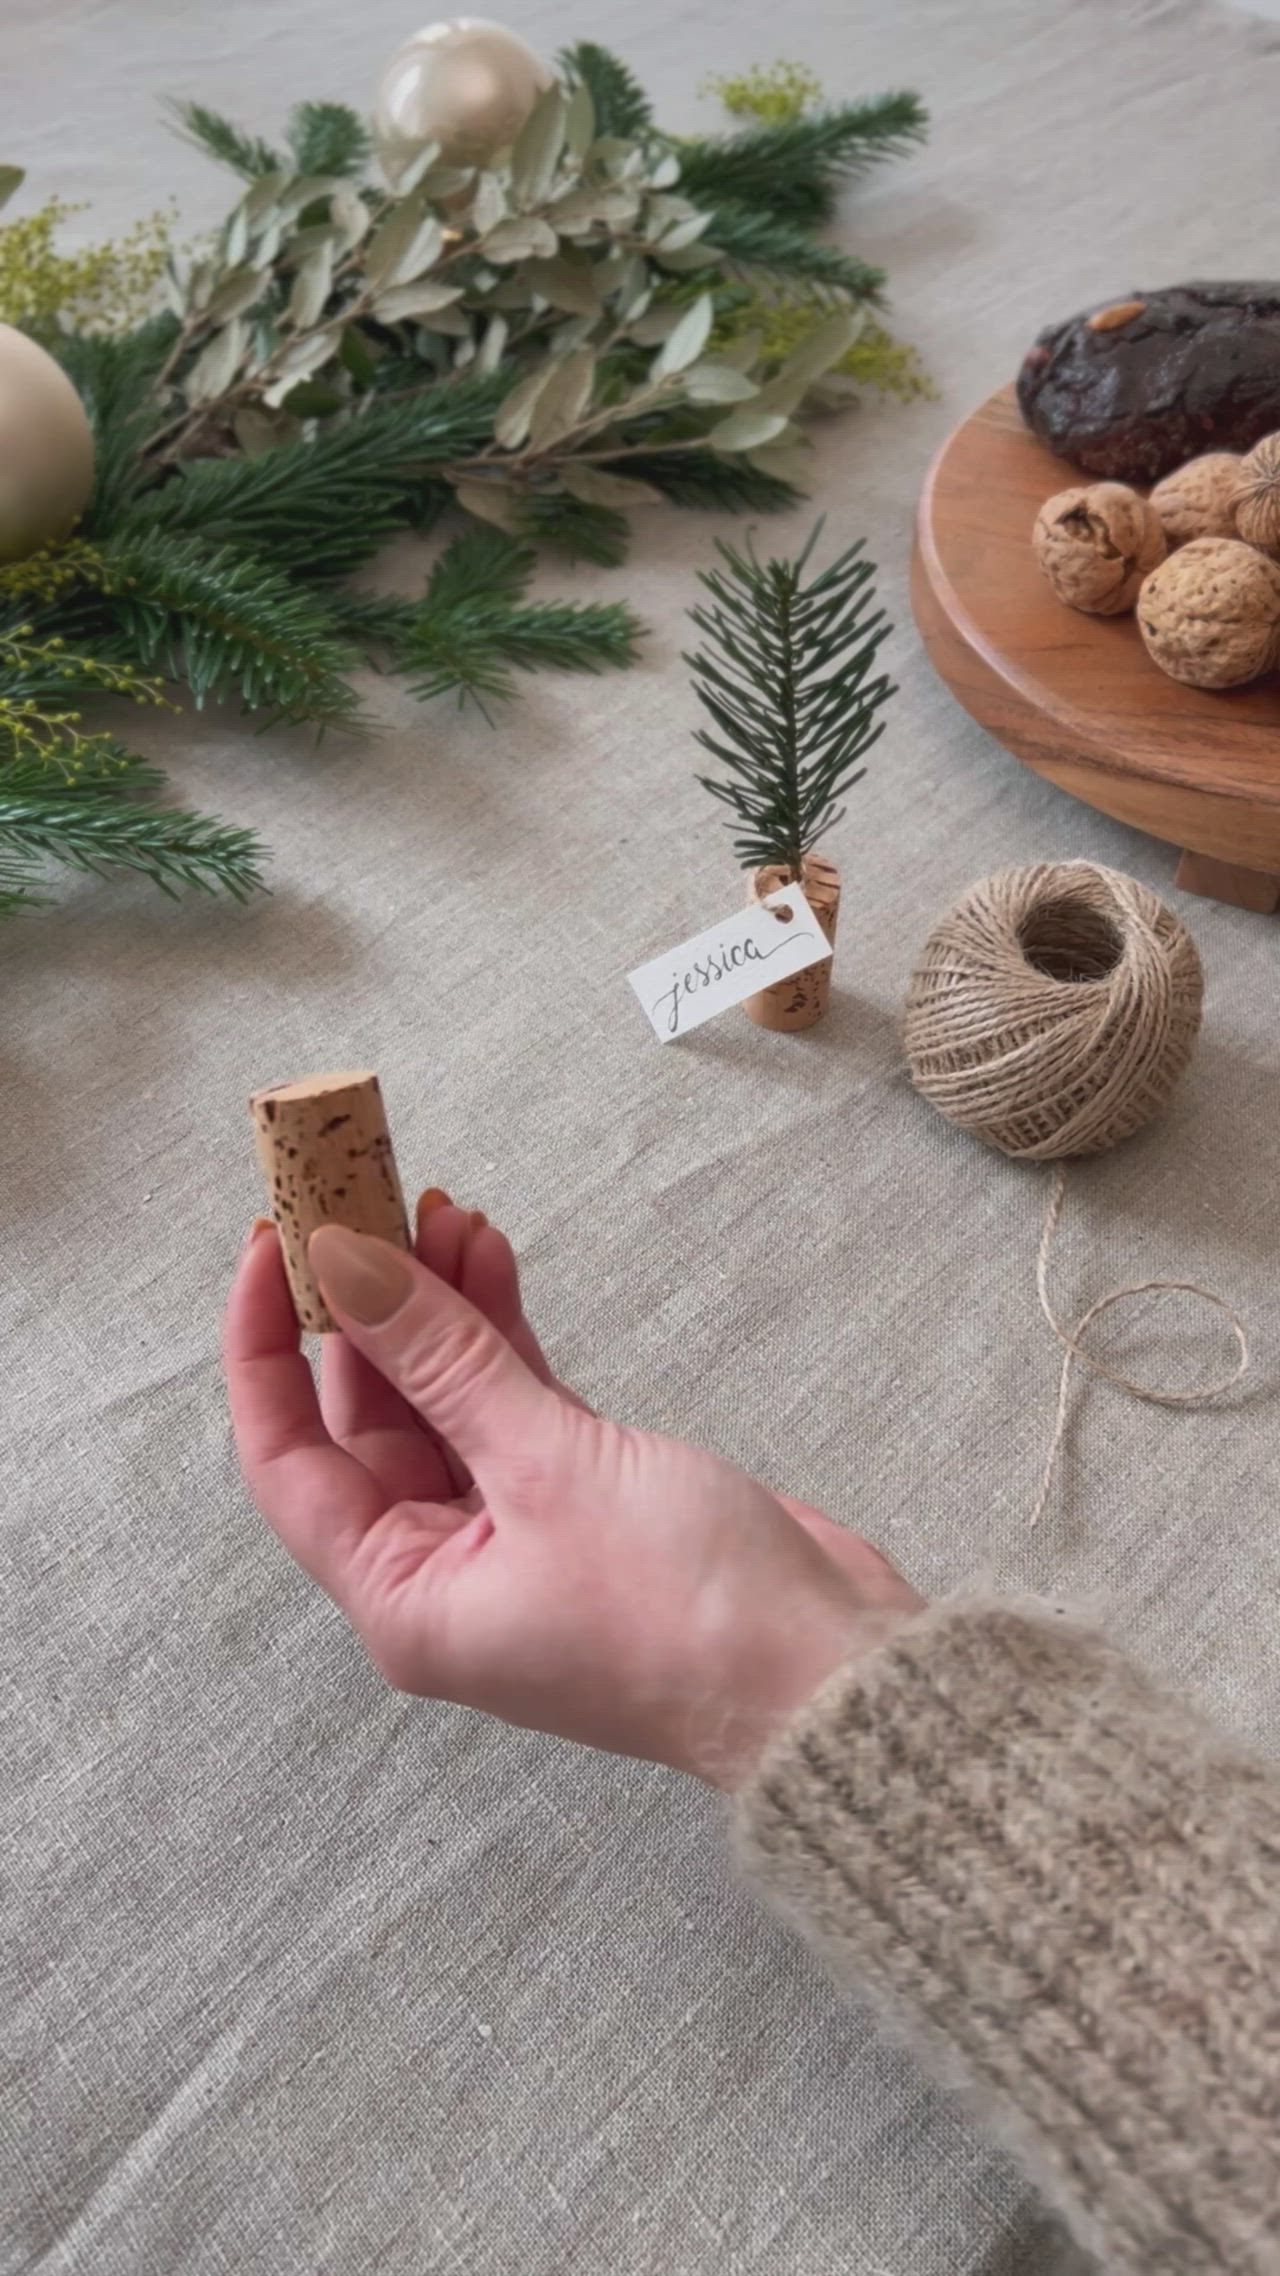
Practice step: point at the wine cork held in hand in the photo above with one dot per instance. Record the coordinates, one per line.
(326, 1155)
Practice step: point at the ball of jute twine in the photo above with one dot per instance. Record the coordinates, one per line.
(1051, 1013)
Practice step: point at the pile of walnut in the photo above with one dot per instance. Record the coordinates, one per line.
(1199, 560)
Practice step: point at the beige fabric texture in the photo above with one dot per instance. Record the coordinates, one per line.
(305, 1978)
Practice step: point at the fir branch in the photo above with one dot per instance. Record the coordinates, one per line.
(19, 881)
(787, 253)
(328, 138)
(43, 816)
(784, 679)
(115, 376)
(583, 532)
(472, 629)
(209, 131)
(620, 102)
(793, 171)
(328, 501)
(228, 624)
(718, 481)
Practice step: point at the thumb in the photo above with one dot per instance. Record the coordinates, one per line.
(450, 1362)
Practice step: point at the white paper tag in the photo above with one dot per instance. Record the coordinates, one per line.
(766, 941)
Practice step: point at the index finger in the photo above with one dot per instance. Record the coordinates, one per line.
(318, 1498)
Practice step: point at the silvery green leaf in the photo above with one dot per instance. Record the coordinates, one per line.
(411, 167)
(718, 383)
(609, 154)
(563, 400)
(491, 347)
(174, 291)
(311, 288)
(747, 429)
(491, 502)
(565, 284)
(261, 198)
(425, 298)
(11, 179)
(665, 172)
(580, 122)
(446, 181)
(235, 242)
(683, 258)
(307, 189)
(216, 365)
(662, 212)
(574, 332)
(453, 320)
(814, 356)
(511, 291)
(536, 152)
(489, 204)
(511, 425)
(522, 238)
(201, 279)
(307, 241)
(611, 204)
(298, 361)
(350, 216)
(258, 431)
(833, 391)
(238, 291)
(596, 486)
(464, 354)
(403, 245)
(654, 325)
(686, 232)
(685, 343)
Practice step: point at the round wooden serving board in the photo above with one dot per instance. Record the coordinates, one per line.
(1077, 697)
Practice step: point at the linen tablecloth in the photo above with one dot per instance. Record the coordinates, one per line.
(300, 1976)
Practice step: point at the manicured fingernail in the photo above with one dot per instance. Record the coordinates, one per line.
(359, 1275)
(478, 1220)
(260, 1226)
(435, 1197)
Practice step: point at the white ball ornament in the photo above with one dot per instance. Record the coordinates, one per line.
(46, 449)
(468, 85)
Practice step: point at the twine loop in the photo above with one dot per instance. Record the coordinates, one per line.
(1051, 1013)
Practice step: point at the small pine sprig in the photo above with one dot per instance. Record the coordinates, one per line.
(619, 101)
(473, 627)
(794, 169)
(208, 130)
(786, 678)
(49, 814)
(328, 138)
(228, 625)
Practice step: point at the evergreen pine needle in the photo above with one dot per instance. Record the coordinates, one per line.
(793, 170)
(786, 252)
(228, 625)
(585, 533)
(620, 102)
(208, 130)
(328, 138)
(784, 677)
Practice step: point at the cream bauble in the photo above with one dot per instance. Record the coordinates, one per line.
(467, 85)
(46, 449)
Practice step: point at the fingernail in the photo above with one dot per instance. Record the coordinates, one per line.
(358, 1274)
(435, 1197)
(260, 1226)
(478, 1220)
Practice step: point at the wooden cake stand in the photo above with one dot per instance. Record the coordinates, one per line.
(1077, 697)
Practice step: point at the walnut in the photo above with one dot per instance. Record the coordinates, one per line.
(1258, 498)
(1210, 614)
(1199, 499)
(1095, 546)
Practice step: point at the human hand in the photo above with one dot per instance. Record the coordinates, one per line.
(494, 1543)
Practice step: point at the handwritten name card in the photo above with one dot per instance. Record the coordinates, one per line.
(766, 941)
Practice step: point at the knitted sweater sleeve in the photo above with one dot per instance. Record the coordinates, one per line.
(1066, 1892)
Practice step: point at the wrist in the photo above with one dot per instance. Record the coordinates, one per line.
(806, 1650)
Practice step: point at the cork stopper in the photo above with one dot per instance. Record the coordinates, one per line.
(325, 1152)
(801, 1000)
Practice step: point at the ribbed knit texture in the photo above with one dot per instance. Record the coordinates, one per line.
(1066, 1891)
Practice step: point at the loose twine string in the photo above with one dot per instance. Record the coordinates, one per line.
(1073, 1345)
(1051, 1013)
